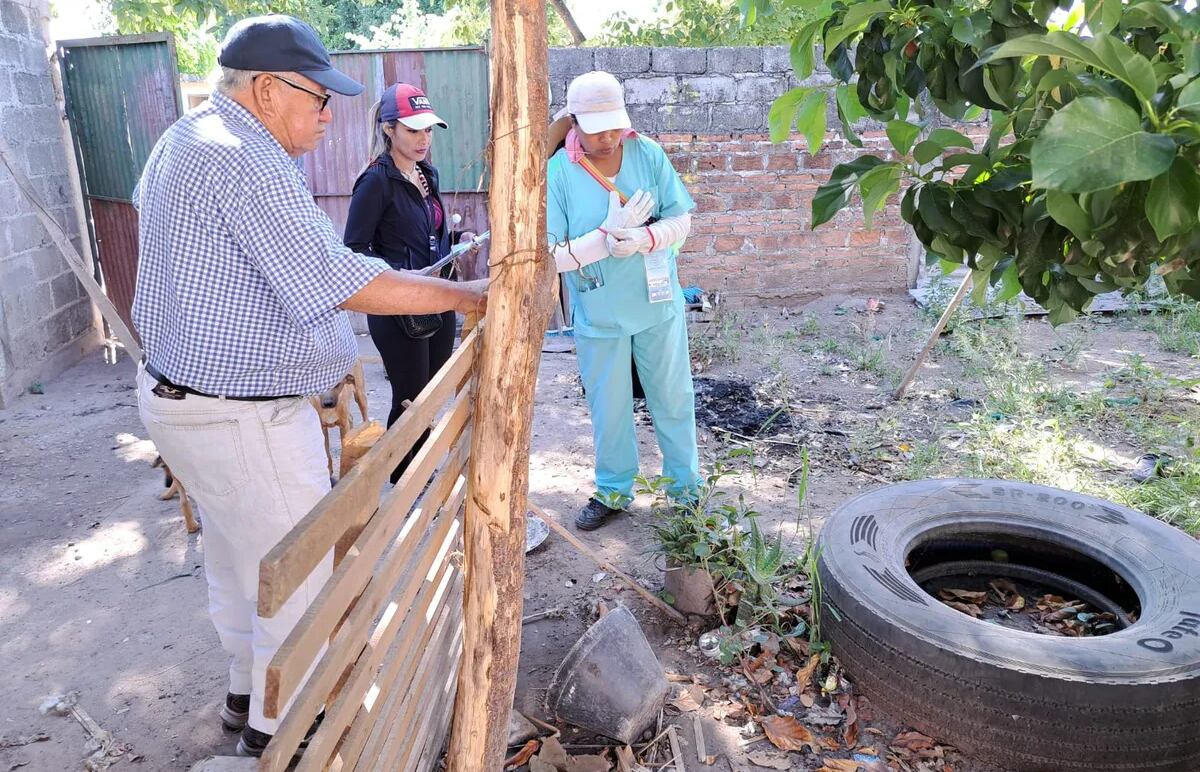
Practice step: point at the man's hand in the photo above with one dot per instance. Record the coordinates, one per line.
(474, 297)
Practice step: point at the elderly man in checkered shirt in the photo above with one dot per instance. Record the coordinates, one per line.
(241, 296)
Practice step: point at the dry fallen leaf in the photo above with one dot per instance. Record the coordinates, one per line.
(808, 699)
(965, 608)
(919, 745)
(522, 757)
(788, 734)
(552, 753)
(729, 710)
(769, 760)
(840, 765)
(965, 596)
(690, 699)
(588, 764)
(850, 734)
(805, 674)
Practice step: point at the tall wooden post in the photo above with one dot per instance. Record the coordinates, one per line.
(518, 309)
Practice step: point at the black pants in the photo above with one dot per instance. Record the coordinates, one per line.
(410, 364)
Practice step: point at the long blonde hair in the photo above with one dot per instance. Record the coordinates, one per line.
(378, 142)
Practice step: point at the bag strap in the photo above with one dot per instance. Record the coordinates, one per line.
(605, 182)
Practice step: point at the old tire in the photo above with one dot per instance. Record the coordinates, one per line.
(1022, 701)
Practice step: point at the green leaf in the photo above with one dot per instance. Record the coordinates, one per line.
(972, 30)
(902, 135)
(875, 186)
(1067, 212)
(850, 111)
(1174, 200)
(783, 112)
(1103, 15)
(810, 120)
(1189, 99)
(950, 138)
(835, 194)
(1095, 143)
(1010, 284)
(1153, 14)
(855, 21)
(802, 49)
(1103, 52)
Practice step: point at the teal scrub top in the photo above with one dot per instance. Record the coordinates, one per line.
(577, 204)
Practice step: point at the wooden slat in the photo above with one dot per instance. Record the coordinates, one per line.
(433, 750)
(293, 659)
(392, 672)
(435, 692)
(414, 597)
(350, 504)
(398, 725)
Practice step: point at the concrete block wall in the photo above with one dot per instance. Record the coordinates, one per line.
(751, 236)
(46, 321)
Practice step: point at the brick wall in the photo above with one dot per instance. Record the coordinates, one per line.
(46, 321)
(751, 236)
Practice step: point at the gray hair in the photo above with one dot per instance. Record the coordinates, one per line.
(229, 80)
(378, 142)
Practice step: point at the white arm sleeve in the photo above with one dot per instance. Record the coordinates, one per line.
(672, 230)
(576, 253)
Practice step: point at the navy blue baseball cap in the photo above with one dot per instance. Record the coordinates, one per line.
(278, 43)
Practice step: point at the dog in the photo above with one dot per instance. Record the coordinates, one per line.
(175, 488)
(333, 408)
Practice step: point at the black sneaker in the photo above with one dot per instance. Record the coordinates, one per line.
(236, 711)
(254, 743)
(594, 515)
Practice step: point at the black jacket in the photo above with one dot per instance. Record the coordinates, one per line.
(389, 219)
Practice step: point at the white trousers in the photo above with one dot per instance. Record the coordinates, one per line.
(254, 470)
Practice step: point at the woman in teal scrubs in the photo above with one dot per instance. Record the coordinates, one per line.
(616, 215)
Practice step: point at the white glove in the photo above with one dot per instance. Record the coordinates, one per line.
(619, 247)
(633, 214)
(629, 241)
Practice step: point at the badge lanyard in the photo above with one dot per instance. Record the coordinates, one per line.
(658, 265)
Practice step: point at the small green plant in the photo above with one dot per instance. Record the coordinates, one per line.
(759, 587)
(720, 341)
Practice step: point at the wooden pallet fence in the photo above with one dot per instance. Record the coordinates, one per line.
(379, 650)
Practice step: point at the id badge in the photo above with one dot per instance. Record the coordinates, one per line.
(658, 276)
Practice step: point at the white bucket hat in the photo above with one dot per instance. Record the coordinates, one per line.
(597, 101)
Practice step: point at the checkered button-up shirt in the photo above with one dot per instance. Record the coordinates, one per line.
(240, 274)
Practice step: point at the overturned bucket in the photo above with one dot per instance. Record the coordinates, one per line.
(610, 682)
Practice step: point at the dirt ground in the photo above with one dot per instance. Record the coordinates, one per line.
(102, 591)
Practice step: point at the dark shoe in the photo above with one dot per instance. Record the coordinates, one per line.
(235, 711)
(595, 515)
(254, 743)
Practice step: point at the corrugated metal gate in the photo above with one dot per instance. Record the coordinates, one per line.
(121, 94)
(456, 80)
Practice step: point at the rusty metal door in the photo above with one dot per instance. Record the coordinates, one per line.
(122, 93)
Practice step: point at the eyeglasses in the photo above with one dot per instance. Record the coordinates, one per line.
(324, 98)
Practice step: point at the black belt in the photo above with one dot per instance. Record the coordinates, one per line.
(170, 390)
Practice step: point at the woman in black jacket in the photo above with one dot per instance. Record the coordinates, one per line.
(396, 213)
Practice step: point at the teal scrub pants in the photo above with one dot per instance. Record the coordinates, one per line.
(664, 367)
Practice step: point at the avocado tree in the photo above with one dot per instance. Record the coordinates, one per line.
(1087, 182)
